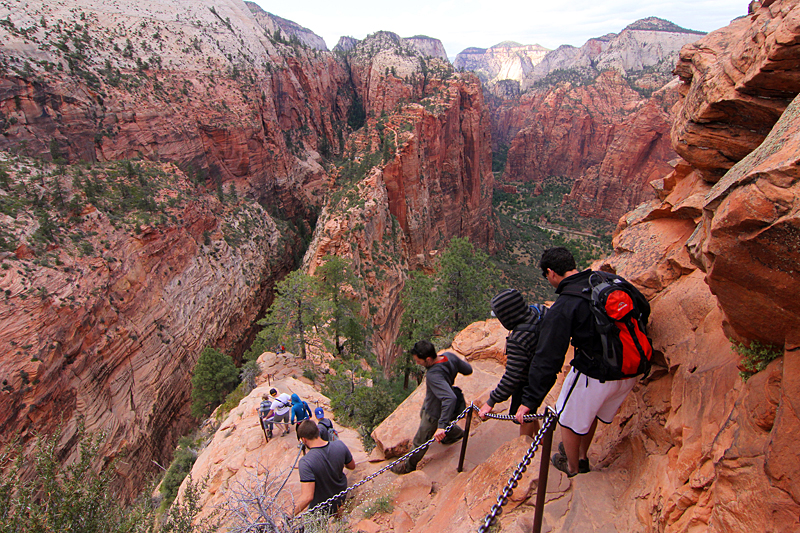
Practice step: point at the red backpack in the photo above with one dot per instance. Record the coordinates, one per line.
(620, 312)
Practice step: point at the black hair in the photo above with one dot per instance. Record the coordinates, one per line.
(424, 350)
(559, 260)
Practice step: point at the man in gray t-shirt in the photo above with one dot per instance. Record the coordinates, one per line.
(442, 403)
(322, 469)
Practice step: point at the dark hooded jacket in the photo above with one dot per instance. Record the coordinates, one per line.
(510, 308)
(568, 321)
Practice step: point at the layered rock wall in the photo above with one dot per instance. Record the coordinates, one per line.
(253, 121)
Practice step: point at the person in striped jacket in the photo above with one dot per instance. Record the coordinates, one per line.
(522, 322)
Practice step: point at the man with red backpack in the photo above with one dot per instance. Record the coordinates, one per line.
(604, 318)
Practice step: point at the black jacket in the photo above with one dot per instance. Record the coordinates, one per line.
(569, 320)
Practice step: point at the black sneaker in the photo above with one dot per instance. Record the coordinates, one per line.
(560, 462)
(401, 468)
(583, 464)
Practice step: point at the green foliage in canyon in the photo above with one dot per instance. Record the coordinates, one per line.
(533, 220)
(214, 377)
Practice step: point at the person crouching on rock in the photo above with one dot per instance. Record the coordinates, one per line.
(443, 402)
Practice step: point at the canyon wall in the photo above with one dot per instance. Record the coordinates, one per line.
(597, 115)
(717, 252)
(226, 134)
(432, 134)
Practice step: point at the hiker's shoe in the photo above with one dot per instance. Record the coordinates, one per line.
(583, 464)
(402, 468)
(452, 440)
(560, 462)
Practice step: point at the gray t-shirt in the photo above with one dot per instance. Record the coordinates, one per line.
(325, 467)
(440, 399)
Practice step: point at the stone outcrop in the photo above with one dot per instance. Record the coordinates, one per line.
(638, 153)
(604, 136)
(647, 43)
(271, 23)
(437, 148)
(587, 114)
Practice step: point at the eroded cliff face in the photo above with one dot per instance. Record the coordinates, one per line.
(433, 180)
(246, 124)
(718, 253)
(597, 115)
(603, 135)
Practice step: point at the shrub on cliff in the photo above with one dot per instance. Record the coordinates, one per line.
(64, 498)
(214, 377)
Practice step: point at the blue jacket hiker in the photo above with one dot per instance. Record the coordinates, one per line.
(300, 409)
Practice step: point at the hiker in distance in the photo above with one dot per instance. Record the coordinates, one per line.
(265, 416)
(326, 431)
(594, 389)
(522, 322)
(443, 402)
(321, 469)
(281, 405)
(300, 412)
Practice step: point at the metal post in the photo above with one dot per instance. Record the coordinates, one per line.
(464, 441)
(544, 467)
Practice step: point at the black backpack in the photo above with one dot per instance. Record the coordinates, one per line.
(330, 433)
(534, 325)
(620, 312)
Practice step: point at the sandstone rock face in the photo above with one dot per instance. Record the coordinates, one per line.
(637, 154)
(713, 252)
(595, 127)
(505, 61)
(271, 22)
(428, 46)
(565, 131)
(431, 150)
(743, 77)
(111, 339)
(650, 42)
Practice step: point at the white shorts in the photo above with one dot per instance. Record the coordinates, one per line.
(582, 399)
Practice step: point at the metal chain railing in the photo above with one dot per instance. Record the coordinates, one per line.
(372, 476)
(527, 418)
(550, 418)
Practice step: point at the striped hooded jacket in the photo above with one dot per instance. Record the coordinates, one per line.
(510, 308)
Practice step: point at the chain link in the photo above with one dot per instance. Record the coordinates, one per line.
(527, 418)
(550, 418)
(372, 476)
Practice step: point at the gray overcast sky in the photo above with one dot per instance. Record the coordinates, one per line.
(460, 24)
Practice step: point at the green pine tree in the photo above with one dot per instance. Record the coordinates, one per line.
(215, 375)
(346, 328)
(465, 283)
(293, 314)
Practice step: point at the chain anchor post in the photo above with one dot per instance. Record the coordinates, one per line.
(544, 468)
(467, 425)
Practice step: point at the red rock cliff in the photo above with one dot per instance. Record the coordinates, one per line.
(718, 253)
(603, 135)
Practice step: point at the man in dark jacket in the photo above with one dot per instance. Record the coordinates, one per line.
(510, 308)
(585, 397)
(440, 406)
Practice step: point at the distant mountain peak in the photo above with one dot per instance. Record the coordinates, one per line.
(507, 44)
(659, 24)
